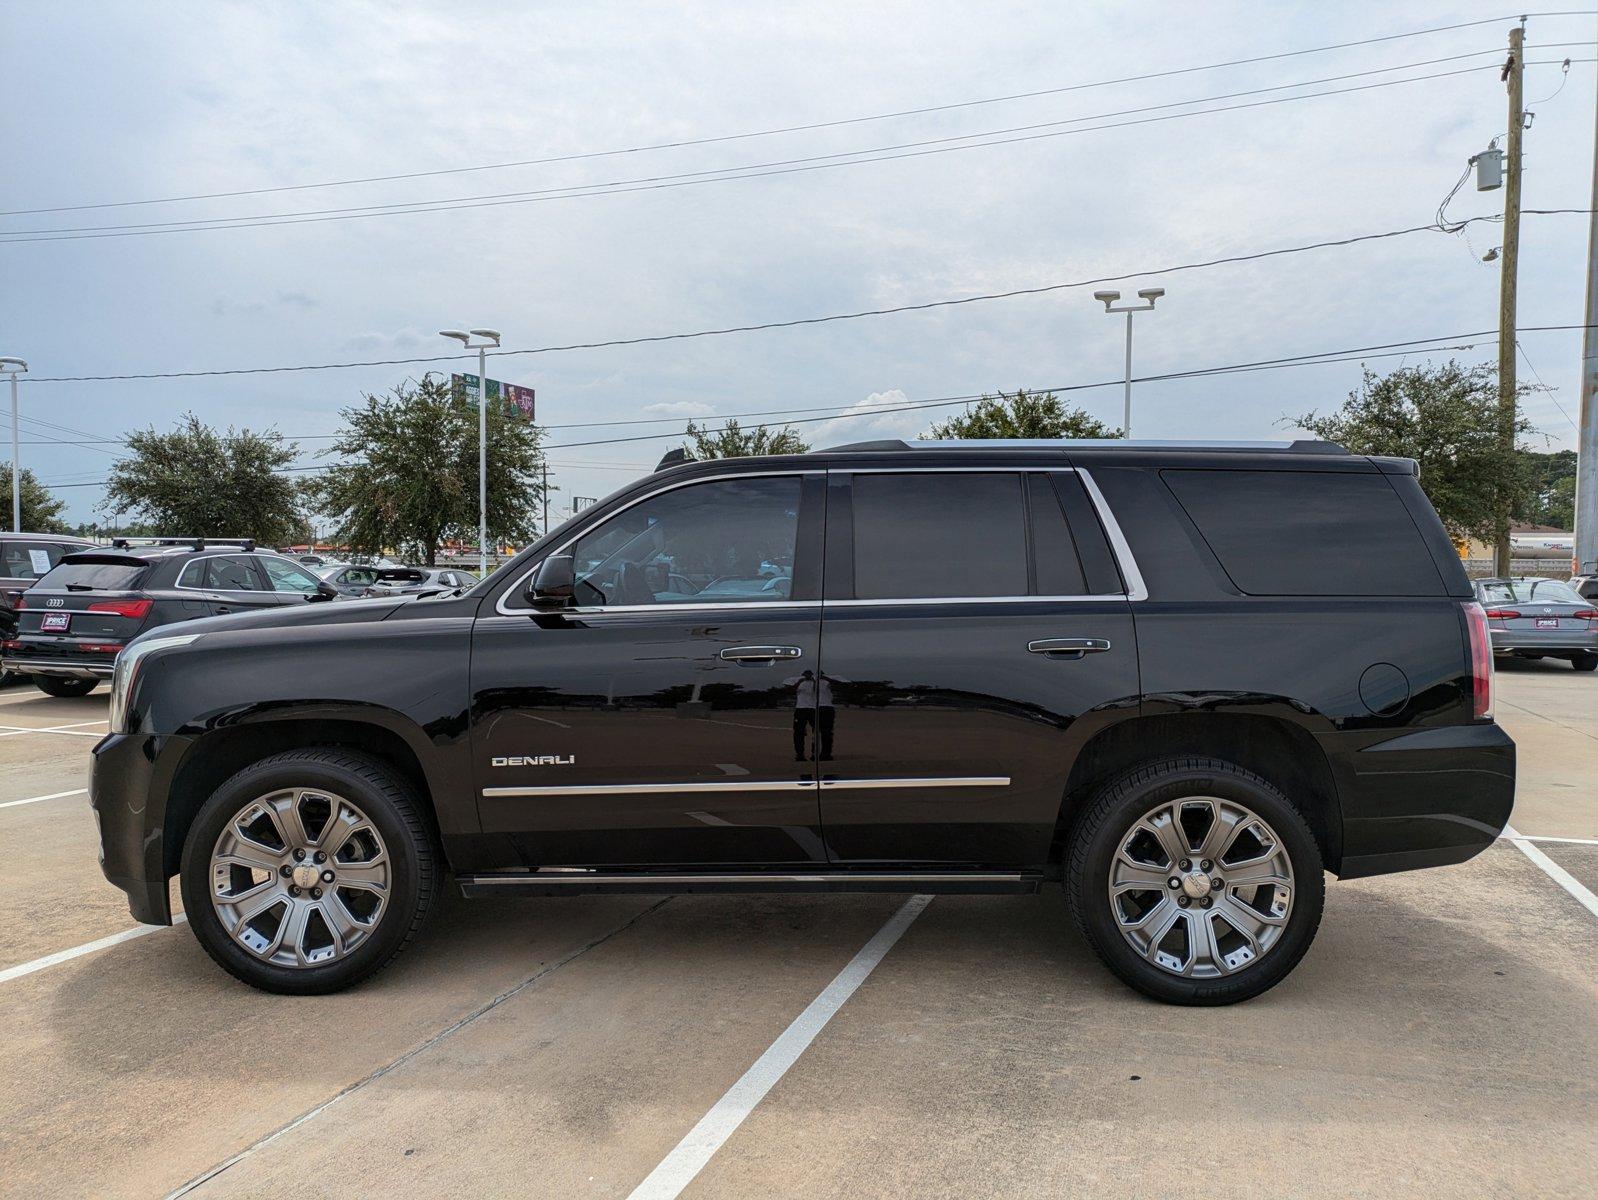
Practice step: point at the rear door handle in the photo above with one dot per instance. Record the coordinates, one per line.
(1068, 647)
(760, 653)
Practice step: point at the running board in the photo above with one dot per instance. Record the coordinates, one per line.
(567, 881)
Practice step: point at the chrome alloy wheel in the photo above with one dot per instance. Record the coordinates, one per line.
(1201, 887)
(300, 877)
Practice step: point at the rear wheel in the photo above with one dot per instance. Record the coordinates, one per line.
(1585, 662)
(1196, 881)
(59, 685)
(308, 871)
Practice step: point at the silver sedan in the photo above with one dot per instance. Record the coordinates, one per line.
(1540, 618)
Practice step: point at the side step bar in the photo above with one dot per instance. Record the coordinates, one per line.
(565, 881)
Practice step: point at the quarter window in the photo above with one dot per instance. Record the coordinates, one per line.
(729, 541)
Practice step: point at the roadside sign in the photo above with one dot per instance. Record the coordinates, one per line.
(581, 502)
(514, 396)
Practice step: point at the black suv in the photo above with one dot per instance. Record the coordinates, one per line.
(74, 621)
(1182, 680)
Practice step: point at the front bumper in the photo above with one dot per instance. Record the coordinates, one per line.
(129, 779)
(1423, 799)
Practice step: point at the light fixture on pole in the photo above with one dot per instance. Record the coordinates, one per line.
(14, 367)
(490, 338)
(1108, 299)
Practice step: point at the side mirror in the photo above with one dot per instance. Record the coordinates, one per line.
(554, 584)
(324, 591)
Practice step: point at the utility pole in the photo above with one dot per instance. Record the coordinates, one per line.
(545, 490)
(1514, 75)
(14, 367)
(1587, 442)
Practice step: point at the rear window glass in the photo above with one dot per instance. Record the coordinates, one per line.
(93, 576)
(1528, 591)
(1308, 533)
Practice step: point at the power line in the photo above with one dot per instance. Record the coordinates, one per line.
(722, 175)
(1042, 289)
(852, 411)
(450, 203)
(802, 128)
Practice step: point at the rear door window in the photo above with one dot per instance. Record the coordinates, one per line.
(1308, 533)
(232, 573)
(939, 534)
(91, 575)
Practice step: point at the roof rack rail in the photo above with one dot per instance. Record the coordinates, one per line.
(197, 543)
(1301, 446)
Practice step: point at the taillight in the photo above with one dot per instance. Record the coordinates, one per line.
(1502, 614)
(122, 608)
(1481, 661)
(20, 604)
(1586, 614)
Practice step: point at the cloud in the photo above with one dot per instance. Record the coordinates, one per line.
(409, 338)
(873, 418)
(297, 300)
(680, 408)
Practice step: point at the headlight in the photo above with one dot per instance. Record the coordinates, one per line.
(127, 669)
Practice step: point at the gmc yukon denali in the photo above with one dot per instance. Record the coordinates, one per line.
(1184, 681)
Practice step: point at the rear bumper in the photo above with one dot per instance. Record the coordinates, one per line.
(1424, 799)
(1547, 641)
(75, 668)
(128, 781)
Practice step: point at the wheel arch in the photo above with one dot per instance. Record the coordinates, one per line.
(222, 753)
(1276, 748)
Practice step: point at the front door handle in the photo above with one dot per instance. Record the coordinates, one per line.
(1068, 647)
(758, 654)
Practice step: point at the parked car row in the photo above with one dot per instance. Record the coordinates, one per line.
(1540, 618)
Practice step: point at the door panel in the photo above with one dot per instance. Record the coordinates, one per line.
(977, 731)
(976, 634)
(667, 718)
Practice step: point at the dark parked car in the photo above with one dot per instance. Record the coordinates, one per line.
(1181, 680)
(25, 558)
(73, 622)
(348, 579)
(1540, 618)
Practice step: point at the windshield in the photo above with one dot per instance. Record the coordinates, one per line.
(1529, 591)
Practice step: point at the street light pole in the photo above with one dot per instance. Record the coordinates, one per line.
(1108, 299)
(14, 367)
(491, 338)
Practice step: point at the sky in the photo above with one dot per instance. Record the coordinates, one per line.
(102, 103)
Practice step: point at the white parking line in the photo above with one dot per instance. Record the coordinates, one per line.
(51, 796)
(105, 943)
(75, 729)
(677, 1170)
(1554, 871)
(1534, 837)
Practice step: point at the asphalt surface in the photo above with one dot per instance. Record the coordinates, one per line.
(1439, 1038)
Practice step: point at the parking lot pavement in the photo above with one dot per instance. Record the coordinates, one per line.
(1438, 1037)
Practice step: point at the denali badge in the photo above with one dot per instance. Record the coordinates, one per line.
(535, 760)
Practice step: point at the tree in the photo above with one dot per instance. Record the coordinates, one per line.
(41, 510)
(1550, 497)
(196, 480)
(731, 441)
(1021, 414)
(1446, 418)
(413, 478)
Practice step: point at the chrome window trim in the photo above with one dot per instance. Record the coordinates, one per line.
(520, 585)
(1119, 547)
(189, 587)
(754, 785)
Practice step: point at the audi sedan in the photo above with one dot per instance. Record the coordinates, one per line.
(1540, 618)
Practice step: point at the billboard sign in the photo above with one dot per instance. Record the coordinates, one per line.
(515, 397)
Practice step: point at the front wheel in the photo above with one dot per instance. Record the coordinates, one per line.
(60, 685)
(309, 870)
(1196, 881)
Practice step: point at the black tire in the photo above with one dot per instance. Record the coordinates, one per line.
(1584, 662)
(60, 685)
(1111, 815)
(391, 805)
